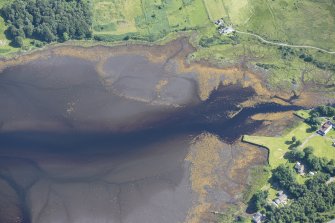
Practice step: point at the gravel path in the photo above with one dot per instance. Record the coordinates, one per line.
(285, 44)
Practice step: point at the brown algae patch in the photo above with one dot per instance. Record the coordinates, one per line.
(219, 174)
(160, 85)
(204, 157)
(208, 77)
(272, 116)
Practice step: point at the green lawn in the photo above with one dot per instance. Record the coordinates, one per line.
(148, 19)
(323, 145)
(259, 176)
(278, 146)
(304, 114)
(215, 9)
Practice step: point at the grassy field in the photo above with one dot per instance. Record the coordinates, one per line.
(148, 19)
(292, 21)
(259, 176)
(278, 146)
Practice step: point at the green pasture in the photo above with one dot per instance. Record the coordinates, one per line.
(278, 146)
(150, 19)
(290, 21)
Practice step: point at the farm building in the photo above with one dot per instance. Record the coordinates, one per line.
(258, 217)
(300, 168)
(226, 30)
(325, 128)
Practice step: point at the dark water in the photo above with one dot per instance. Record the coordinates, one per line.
(73, 151)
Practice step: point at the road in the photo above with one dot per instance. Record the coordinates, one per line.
(285, 44)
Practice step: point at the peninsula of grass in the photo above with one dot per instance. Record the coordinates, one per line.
(302, 134)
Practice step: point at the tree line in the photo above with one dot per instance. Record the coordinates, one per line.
(321, 111)
(311, 201)
(47, 20)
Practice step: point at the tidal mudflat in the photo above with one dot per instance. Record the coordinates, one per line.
(122, 135)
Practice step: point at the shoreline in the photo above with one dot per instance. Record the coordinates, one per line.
(172, 56)
(209, 72)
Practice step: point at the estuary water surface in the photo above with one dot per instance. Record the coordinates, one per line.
(75, 149)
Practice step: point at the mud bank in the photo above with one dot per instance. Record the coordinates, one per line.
(107, 135)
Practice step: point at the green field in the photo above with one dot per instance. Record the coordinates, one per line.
(148, 20)
(291, 21)
(278, 146)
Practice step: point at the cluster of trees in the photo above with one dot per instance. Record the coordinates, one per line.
(210, 41)
(47, 20)
(312, 162)
(258, 201)
(294, 143)
(284, 177)
(311, 200)
(314, 122)
(267, 66)
(321, 111)
(287, 53)
(322, 65)
(218, 40)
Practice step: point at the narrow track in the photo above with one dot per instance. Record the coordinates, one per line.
(285, 44)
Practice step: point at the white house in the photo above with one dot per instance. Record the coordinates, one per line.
(299, 168)
(325, 128)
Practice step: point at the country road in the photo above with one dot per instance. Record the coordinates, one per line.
(285, 44)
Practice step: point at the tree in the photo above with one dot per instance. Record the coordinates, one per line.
(294, 138)
(298, 143)
(258, 201)
(65, 36)
(308, 151)
(295, 155)
(18, 41)
(284, 176)
(29, 29)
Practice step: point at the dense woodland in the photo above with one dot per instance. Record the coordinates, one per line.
(313, 201)
(47, 20)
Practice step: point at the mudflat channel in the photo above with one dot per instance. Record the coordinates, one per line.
(118, 135)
